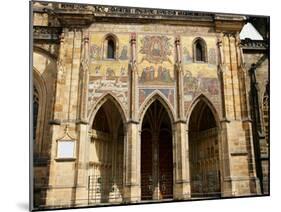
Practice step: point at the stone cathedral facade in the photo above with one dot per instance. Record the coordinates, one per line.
(135, 105)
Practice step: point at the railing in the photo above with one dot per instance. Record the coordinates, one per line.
(163, 186)
(104, 189)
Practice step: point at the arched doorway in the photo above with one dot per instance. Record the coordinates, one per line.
(106, 155)
(156, 154)
(204, 152)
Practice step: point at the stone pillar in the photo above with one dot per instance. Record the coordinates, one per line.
(63, 175)
(83, 140)
(226, 186)
(259, 141)
(180, 140)
(155, 166)
(114, 195)
(181, 162)
(238, 175)
(132, 189)
(179, 82)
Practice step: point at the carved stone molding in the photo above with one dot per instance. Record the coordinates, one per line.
(85, 64)
(103, 9)
(49, 34)
(249, 44)
(61, 71)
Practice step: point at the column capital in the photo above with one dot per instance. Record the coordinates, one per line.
(181, 121)
(177, 40)
(133, 38)
(62, 37)
(225, 120)
(133, 121)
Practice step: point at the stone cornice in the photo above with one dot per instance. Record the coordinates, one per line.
(229, 23)
(249, 44)
(70, 14)
(46, 33)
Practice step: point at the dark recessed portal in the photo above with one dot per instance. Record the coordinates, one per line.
(156, 154)
(204, 152)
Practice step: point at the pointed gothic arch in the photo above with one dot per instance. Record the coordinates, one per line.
(204, 148)
(156, 127)
(39, 93)
(104, 98)
(203, 98)
(106, 152)
(43, 51)
(156, 95)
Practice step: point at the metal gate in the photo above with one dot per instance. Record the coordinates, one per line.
(104, 189)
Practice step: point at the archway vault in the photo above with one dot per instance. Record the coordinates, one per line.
(156, 150)
(201, 98)
(106, 151)
(45, 52)
(156, 95)
(204, 149)
(101, 101)
(40, 85)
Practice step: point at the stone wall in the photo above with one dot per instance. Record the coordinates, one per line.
(257, 66)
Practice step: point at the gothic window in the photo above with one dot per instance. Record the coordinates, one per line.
(110, 47)
(35, 110)
(199, 50)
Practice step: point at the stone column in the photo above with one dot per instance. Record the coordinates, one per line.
(115, 195)
(155, 166)
(259, 141)
(83, 140)
(132, 189)
(180, 140)
(246, 118)
(226, 186)
(236, 137)
(56, 121)
(63, 175)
